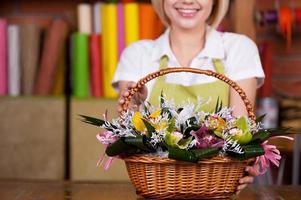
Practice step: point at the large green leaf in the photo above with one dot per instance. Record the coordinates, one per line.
(205, 153)
(118, 147)
(250, 151)
(193, 155)
(140, 141)
(179, 154)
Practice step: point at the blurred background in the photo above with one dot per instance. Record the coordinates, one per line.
(57, 59)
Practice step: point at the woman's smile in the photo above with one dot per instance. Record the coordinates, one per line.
(187, 14)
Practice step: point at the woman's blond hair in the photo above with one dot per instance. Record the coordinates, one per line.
(218, 12)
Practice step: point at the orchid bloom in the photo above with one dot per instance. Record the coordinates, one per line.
(205, 140)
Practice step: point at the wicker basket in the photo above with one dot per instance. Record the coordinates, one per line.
(163, 178)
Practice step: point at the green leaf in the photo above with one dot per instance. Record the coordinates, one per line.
(260, 118)
(92, 120)
(218, 105)
(242, 124)
(191, 156)
(118, 147)
(183, 155)
(171, 126)
(162, 101)
(150, 129)
(205, 153)
(140, 141)
(171, 140)
(145, 108)
(250, 151)
(265, 134)
(183, 143)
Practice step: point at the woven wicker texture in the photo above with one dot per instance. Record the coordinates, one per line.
(163, 178)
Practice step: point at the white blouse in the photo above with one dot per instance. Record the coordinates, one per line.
(238, 53)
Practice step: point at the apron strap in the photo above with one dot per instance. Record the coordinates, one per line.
(163, 62)
(218, 65)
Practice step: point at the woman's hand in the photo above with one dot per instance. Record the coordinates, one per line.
(137, 99)
(244, 181)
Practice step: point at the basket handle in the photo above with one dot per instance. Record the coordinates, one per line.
(165, 71)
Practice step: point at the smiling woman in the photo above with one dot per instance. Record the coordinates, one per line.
(191, 40)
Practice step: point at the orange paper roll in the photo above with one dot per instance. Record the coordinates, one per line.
(150, 26)
(285, 23)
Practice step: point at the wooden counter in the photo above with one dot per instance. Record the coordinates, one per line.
(51, 190)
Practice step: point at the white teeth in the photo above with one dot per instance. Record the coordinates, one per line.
(187, 11)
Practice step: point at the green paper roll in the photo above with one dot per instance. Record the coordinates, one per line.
(80, 64)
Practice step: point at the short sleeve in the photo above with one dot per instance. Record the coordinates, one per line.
(128, 67)
(243, 60)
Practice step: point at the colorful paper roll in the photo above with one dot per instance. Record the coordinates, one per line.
(298, 15)
(80, 64)
(60, 76)
(271, 17)
(97, 17)
(286, 24)
(53, 45)
(30, 51)
(96, 68)
(14, 68)
(131, 22)
(109, 47)
(120, 29)
(84, 17)
(150, 26)
(3, 57)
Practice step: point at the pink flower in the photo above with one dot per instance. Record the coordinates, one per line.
(271, 154)
(106, 137)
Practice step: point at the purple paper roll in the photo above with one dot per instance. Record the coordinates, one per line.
(271, 17)
(3, 57)
(120, 29)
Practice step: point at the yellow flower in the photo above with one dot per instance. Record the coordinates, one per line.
(161, 125)
(138, 122)
(155, 114)
(217, 124)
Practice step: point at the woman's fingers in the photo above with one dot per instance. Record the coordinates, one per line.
(250, 171)
(240, 187)
(246, 180)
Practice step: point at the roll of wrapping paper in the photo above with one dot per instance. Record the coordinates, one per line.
(109, 47)
(14, 68)
(271, 17)
(30, 50)
(3, 57)
(120, 29)
(266, 59)
(60, 76)
(54, 43)
(150, 26)
(96, 68)
(285, 24)
(84, 17)
(131, 17)
(298, 15)
(80, 68)
(97, 17)
(267, 17)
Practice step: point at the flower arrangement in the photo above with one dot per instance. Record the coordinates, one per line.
(187, 134)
